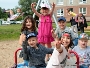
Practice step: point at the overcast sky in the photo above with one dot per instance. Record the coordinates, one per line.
(8, 4)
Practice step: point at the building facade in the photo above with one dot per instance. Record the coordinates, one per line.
(77, 6)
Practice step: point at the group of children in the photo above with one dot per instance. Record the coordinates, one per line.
(34, 41)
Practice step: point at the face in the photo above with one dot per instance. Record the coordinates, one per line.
(32, 42)
(83, 43)
(44, 11)
(65, 40)
(28, 23)
(80, 15)
(62, 24)
(18, 10)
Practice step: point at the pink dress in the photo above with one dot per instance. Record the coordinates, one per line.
(44, 29)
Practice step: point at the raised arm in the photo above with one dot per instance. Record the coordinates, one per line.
(22, 38)
(58, 45)
(24, 45)
(53, 33)
(33, 9)
(52, 10)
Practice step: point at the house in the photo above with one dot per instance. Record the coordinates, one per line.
(77, 6)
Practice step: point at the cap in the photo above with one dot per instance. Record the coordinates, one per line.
(31, 35)
(66, 33)
(62, 18)
(83, 36)
(44, 5)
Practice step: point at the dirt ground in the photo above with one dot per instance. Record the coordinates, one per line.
(7, 49)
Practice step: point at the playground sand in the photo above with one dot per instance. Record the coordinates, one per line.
(7, 49)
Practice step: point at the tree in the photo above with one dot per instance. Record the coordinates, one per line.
(25, 6)
(3, 15)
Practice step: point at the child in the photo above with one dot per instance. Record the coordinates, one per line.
(71, 13)
(59, 55)
(62, 27)
(36, 52)
(81, 22)
(13, 16)
(45, 25)
(28, 26)
(83, 51)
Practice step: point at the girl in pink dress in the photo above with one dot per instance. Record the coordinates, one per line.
(45, 25)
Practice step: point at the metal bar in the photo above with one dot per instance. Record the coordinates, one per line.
(15, 56)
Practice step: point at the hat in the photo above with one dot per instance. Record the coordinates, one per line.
(31, 35)
(62, 18)
(83, 36)
(44, 5)
(66, 33)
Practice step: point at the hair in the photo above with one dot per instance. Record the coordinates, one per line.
(45, 8)
(33, 28)
(68, 9)
(71, 42)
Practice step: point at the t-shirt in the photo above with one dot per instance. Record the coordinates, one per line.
(58, 32)
(58, 60)
(84, 54)
(72, 14)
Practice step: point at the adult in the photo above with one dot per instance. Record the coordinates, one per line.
(81, 22)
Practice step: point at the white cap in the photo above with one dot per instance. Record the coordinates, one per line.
(44, 5)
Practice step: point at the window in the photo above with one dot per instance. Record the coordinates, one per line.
(59, 2)
(82, 1)
(60, 12)
(82, 10)
(71, 9)
(70, 1)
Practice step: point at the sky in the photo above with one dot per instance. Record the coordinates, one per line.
(8, 4)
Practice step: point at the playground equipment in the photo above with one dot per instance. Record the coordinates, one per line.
(73, 61)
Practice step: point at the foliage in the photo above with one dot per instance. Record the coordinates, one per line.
(25, 6)
(2, 14)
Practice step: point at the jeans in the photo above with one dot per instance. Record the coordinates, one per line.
(75, 41)
(38, 66)
(83, 66)
(25, 63)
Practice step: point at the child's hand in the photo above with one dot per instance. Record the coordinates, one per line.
(33, 4)
(58, 44)
(53, 31)
(23, 37)
(53, 4)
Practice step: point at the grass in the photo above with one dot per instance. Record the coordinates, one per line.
(68, 24)
(12, 32)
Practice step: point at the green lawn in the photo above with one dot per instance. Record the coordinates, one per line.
(68, 24)
(12, 32)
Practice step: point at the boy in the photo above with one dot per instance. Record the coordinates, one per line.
(62, 27)
(36, 52)
(83, 51)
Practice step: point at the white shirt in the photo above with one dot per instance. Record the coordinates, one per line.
(57, 58)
